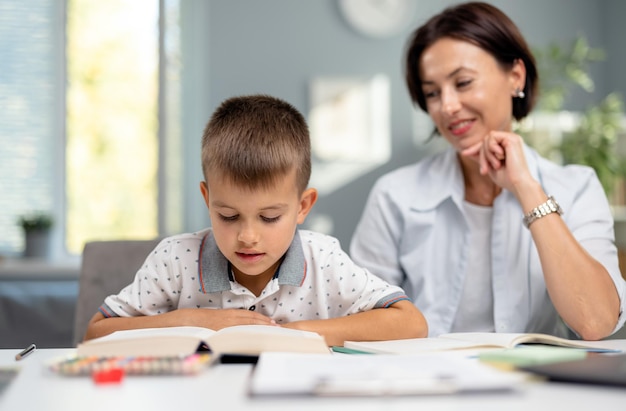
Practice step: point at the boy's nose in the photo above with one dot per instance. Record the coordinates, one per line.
(248, 235)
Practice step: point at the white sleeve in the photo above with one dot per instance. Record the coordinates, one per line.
(375, 244)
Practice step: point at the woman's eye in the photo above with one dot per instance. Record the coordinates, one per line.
(463, 83)
(270, 219)
(430, 94)
(229, 217)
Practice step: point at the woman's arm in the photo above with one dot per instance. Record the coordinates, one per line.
(580, 288)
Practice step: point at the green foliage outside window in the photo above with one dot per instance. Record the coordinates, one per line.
(112, 124)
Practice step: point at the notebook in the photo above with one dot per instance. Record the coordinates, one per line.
(594, 369)
(284, 373)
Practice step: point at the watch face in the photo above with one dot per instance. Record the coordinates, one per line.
(378, 18)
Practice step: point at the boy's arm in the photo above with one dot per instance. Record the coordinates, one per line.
(398, 321)
(215, 319)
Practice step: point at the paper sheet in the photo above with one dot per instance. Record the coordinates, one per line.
(362, 375)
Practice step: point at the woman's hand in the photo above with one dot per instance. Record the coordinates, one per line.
(501, 156)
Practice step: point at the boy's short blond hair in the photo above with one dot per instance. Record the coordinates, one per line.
(254, 140)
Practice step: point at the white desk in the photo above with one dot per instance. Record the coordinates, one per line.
(223, 387)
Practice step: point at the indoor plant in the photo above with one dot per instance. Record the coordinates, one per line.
(594, 136)
(37, 228)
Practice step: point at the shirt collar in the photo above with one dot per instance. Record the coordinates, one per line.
(440, 178)
(214, 268)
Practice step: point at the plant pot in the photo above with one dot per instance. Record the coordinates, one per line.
(37, 244)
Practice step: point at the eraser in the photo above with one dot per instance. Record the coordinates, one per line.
(113, 375)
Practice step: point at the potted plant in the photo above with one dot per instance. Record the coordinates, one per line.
(37, 227)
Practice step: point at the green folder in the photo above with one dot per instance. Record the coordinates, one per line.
(532, 355)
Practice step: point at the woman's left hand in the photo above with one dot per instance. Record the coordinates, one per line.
(501, 156)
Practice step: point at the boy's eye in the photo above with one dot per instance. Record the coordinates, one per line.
(270, 219)
(229, 217)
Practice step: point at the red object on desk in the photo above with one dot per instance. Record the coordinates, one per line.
(113, 375)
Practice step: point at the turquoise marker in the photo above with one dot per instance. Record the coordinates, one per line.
(345, 350)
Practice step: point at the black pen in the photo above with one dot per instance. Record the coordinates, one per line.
(26, 351)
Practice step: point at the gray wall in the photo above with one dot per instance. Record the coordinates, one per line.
(277, 46)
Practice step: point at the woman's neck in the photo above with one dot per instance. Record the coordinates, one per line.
(479, 189)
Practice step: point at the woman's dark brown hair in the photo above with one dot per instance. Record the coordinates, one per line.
(484, 26)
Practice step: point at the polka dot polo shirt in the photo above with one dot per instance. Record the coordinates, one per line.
(316, 280)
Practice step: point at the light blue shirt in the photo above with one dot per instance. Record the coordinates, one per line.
(414, 233)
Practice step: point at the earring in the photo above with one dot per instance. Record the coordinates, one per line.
(519, 93)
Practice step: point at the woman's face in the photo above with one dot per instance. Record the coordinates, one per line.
(467, 92)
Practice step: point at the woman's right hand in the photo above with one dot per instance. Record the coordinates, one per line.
(500, 155)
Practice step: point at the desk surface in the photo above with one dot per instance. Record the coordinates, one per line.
(35, 388)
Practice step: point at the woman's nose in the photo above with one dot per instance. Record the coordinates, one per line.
(450, 102)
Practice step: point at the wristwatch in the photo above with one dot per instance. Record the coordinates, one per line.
(542, 210)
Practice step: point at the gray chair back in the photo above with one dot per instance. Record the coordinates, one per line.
(107, 267)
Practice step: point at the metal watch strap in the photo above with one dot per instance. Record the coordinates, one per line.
(542, 210)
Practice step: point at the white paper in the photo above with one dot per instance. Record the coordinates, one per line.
(311, 374)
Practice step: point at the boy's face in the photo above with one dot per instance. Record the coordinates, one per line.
(254, 228)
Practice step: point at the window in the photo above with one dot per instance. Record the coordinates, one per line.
(112, 127)
(31, 71)
(82, 85)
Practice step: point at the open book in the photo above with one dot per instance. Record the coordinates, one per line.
(183, 341)
(475, 340)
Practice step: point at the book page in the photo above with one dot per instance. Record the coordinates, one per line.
(502, 340)
(165, 341)
(408, 346)
(141, 333)
(268, 329)
(254, 339)
(511, 340)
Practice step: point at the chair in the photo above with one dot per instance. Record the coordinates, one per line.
(107, 267)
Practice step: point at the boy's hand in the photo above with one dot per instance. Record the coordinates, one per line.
(216, 319)
(212, 318)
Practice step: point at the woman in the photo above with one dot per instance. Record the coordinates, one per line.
(488, 235)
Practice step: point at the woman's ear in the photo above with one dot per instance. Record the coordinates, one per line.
(307, 199)
(518, 75)
(204, 189)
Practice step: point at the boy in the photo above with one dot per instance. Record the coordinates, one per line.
(253, 266)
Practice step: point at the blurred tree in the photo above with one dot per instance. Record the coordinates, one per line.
(595, 138)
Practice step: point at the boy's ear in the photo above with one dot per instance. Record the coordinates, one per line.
(204, 189)
(307, 199)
